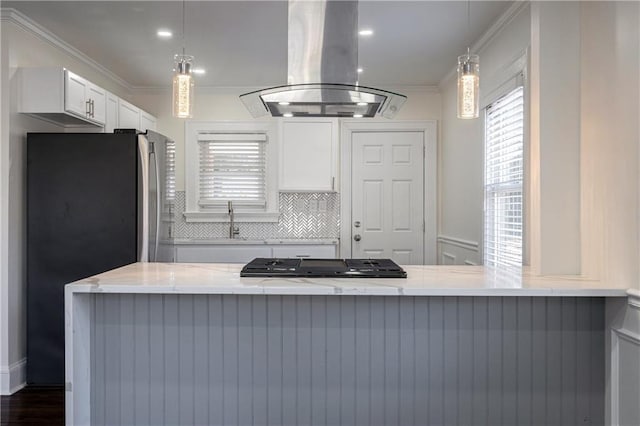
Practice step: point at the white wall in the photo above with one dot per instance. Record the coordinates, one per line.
(461, 149)
(610, 109)
(423, 103)
(21, 48)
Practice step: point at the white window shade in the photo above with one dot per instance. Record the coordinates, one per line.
(170, 165)
(504, 174)
(232, 168)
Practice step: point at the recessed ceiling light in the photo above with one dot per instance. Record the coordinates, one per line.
(198, 71)
(360, 70)
(366, 32)
(362, 104)
(165, 34)
(283, 103)
(357, 115)
(287, 114)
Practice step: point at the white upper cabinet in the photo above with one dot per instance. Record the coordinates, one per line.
(128, 115)
(84, 98)
(309, 155)
(60, 96)
(75, 88)
(147, 121)
(97, 98)
(111, 113)
(132, 117)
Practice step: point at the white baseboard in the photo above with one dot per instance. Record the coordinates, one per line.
(13, 377)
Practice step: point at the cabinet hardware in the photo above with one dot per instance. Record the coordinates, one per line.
(333, 183)
(93, 109)
(88, 108)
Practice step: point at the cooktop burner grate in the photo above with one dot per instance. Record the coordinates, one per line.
(335, 268)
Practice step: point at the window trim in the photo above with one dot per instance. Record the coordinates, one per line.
(193, 211)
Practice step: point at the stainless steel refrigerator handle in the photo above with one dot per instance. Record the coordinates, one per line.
(158, 192)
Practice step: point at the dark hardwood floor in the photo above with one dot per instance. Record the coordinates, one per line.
(33, 405)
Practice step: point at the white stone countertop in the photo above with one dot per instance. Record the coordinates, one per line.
(212, 278)
(242, 241)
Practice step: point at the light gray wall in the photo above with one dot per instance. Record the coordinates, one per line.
(461, 202)
(352, 360)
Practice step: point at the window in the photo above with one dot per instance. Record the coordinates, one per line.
(170, 178)
(232, 168)
(503, 181)
(231, 161)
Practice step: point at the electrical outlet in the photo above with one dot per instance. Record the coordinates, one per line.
(313, 206)
(300, 205)
(322, 206)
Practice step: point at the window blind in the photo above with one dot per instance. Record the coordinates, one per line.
(232, 168)
(504, 174)
(170, 165)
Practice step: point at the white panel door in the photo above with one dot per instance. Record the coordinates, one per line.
(387, 196)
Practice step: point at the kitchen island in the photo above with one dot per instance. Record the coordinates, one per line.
(154, 343)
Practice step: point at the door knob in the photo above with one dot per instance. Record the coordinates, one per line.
(357, 237)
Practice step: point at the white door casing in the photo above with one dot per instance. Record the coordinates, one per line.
(389, 186)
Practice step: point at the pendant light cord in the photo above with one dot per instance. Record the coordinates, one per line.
(183, 19)
(468, 27)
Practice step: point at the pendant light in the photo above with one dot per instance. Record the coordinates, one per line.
(468, 80)
(183, 85)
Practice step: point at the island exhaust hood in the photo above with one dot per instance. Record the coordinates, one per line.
(322, 68)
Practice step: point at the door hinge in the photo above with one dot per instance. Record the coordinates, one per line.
(424, 151)
(424, 227)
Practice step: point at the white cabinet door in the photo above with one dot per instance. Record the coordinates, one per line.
(83, 98)
(305, 251)
(147, 121)
(309, 155)
(97, 98)
(128, 115)
(75, 100)
(111, 113)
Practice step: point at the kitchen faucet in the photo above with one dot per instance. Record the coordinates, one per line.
(233, 230)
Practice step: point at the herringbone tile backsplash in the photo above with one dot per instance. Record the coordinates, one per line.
(300, 218)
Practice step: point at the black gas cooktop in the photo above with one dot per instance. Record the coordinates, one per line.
(336, 268)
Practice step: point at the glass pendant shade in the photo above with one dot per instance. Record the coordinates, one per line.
(183, 87)
(468, 86)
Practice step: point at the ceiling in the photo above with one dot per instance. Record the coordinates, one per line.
(244, 43)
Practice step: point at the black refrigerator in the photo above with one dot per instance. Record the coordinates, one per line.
(93, 204)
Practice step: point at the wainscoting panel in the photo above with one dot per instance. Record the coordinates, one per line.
(456, 251)
(623, 323)
(347, 360)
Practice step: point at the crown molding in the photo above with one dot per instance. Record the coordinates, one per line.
(13, 16)
(490, 34)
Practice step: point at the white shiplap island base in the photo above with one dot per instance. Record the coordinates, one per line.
(195, 344)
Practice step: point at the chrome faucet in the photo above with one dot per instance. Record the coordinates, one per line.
(233, 230)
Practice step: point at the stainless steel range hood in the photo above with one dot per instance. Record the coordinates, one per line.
(322, 68)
